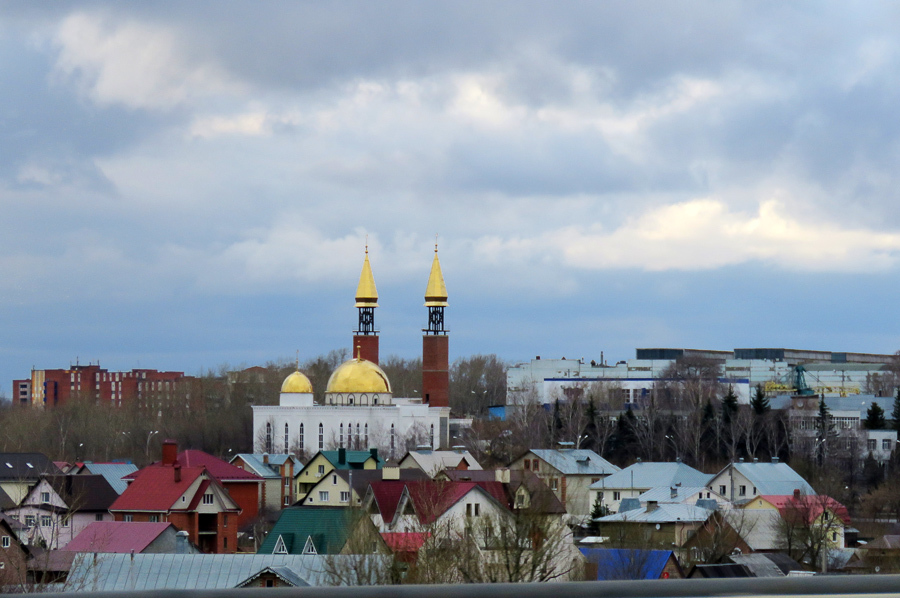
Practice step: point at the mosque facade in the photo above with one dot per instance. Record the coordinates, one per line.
(360, 411)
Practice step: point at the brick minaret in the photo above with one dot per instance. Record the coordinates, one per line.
(365, 339)
(435, 342)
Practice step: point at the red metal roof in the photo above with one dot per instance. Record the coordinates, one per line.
(405, 541)
(221, 470)
(116, 536)
(808, 507)
(387, 495)
(155, 489)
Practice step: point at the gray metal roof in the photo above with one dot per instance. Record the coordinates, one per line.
(664, 513)
(113, 472)
(682, 493)
(122, 572)
(576, 461)
(772, 478)
(284, 573)
(758, 564)
(653, 475)
(255, 462)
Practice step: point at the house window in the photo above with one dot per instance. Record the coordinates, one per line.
(617, 495)
(5, 542)
(286, 429)
(321, 437)
(527, 464)
(29, 520)
(45, 497)
(535, 465)
(742, 491)
(208, 498)
(872, 444)
(334, 479)
(834, 536)
(321, 470)
(754, 492)
(886, 444)
(225, 520)
(323, 495)
(300, 436)
(477, 509)
(345, 497)
(270, 583)
(153, 519)
(287, 500)
(98, 517)
(722, 490)
(128, 517)
(468, 509)
(554, 484)
(65, 521)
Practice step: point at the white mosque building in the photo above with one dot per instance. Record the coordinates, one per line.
(359, 410)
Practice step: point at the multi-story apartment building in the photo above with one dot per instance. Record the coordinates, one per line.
(51, 388)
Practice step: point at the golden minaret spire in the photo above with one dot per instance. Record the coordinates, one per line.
(436, 291)
(366, 293)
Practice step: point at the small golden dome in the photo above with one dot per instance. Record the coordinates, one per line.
(296, 382)
(358, 375)
(366, 293)
(436, 291)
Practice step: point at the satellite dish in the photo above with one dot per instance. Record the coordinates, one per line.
(657, 526)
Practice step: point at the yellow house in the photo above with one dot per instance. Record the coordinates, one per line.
(324, 462)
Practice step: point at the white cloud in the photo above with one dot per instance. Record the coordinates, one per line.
(139, 65)
(704, 234)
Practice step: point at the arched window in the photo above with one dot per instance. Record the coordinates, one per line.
(350, 399)
(358, 437)
(367, 435)
(392, 441)
(286, 439)
(300, 437)
(341, 437)
(321, 437)
(432, 435)
(268, 437)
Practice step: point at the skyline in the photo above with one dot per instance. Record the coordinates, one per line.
(191, 185)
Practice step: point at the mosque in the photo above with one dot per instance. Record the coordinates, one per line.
(359, 410)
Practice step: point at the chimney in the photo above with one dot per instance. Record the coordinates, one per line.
(673, 492)
(374, 452)
(177, 468)
(342, 456)
(169, 452)
(266, 458)
(797, 493)
(652, 505)
(774, 459)
(181, 542)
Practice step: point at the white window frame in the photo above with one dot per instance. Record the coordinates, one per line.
(5, 542)
(208, 498)
(323, 495)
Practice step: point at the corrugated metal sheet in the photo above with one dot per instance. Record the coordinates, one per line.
(664, 513)
(773, 478)
(121, 572)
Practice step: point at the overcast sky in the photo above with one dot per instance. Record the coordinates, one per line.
(189, 185)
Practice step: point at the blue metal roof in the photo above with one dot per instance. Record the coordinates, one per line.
(113, 472)
(624, 563)
(773, 478)
(663, 513)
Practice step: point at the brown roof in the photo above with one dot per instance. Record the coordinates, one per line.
(83, 492)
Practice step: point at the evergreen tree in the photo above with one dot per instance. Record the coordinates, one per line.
(895, 415)
(760, 402)
(875, 419)
(729, 406)
(597, 511)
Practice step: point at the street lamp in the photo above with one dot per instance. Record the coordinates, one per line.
(149, 436)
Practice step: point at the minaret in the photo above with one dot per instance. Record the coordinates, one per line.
(435, 342)
(365, 340)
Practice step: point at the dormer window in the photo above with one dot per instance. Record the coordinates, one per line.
(208, 498)
(45, 497)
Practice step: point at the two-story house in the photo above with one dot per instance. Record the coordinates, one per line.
(58, 507)
(324, 462)
(569, 473)
(640, 477)
(278, 471)
(188, 497)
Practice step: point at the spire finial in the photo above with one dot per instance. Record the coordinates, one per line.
(298, 360)
(359, 351)
(367, 244)
(436, 291)
(435, 242)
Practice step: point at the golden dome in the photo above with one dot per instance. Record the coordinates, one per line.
(366, 293)
(436, 291)
(296, 382)
(358, 375)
